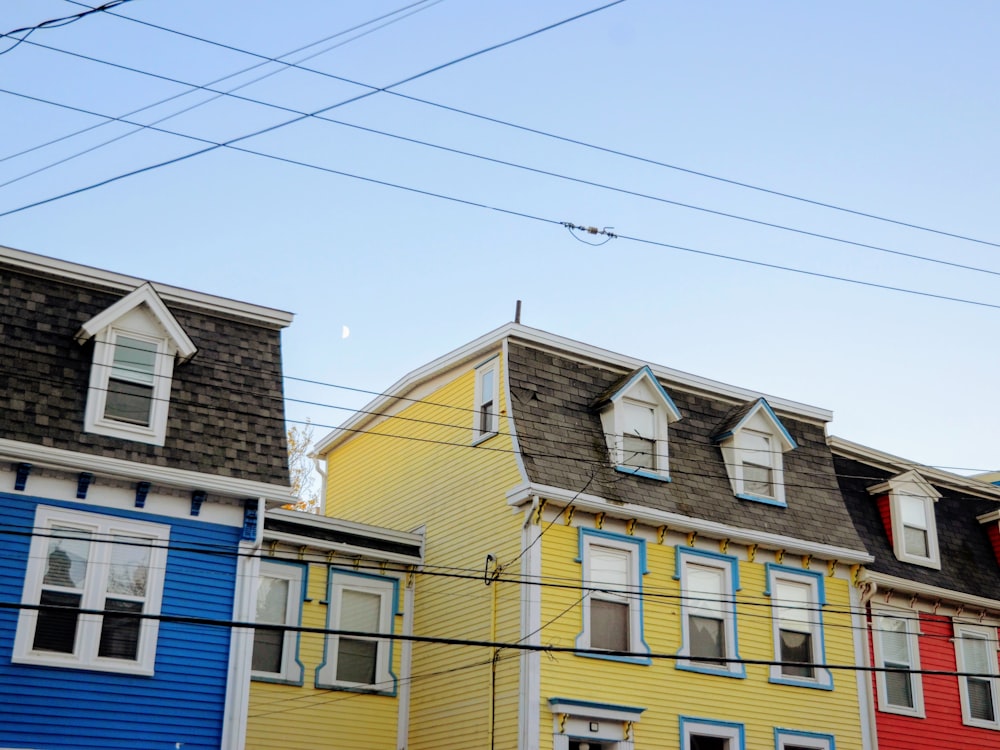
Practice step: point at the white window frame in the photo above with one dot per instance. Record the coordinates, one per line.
(635, 551)
(96, 421)
(291, 670)
(102, 528)
(816, 600)
(727, 730)
(729, 566)
(388, 591)
(788, 738)
(988, 634)
(911, 623)
(761, 422)
(911, 485)
(483, 400)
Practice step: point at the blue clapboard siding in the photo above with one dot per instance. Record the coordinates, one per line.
(46, 708)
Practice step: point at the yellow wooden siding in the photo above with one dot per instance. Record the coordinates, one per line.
(397, 482)
(666, 692)
(294, 717)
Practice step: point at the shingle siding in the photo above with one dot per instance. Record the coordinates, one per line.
(561, 437)
(226, 404)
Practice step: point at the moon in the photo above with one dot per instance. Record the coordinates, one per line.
(345, 332)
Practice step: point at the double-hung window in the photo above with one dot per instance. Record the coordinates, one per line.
(912, 526)
(279, 602)
(896, 648)
(797, 599)
(613, 565)
(486, 416)
(791, 739)
(364, 605)
(87, 561)
(708, 612)
(976, 648)
(707, 734)
(913, 519)
(639, 436)
(757, 457)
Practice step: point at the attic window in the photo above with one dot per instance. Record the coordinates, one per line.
(906, 503)
(135, 343)
(635, 417)
(753, 443)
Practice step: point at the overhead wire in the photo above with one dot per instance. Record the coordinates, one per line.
(581, 143)
(55, 23)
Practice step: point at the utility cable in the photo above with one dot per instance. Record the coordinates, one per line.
(55, 23)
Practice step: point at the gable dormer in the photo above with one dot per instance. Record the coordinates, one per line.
(635, 416)
(991, 521)
(906, 505)
(136, 341)
(753, 442)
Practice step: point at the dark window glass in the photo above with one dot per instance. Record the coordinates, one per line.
(56, 629)
(609, 625)
(120, 633)
(708, 637)
(128, 402)
(701, 742)
(796, 647)
(356, 660)
(980, 699)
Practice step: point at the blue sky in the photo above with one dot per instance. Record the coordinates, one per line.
(886, 108)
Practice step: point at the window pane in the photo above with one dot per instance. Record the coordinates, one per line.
(976, 655)
(704, 590)
(120, 633)
(638, 452)
(639, 420)
(486, 417)
(796, 647)
(129, 566)
(708, 637)
(757, 480)
(608, 569)
(134, 360)
(609, 625)
(980, 698)
(55, 630)
(898, 689)
(272, 600)
(700, 742)
(895, 641)
(128, 402)
(356, 660)
(267, 650)
(359, 611)
(67, 558)
(915, 541)
(792, 602)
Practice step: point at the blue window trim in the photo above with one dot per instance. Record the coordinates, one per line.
(796, 734)
(635, 471)
(824, 677)
(760, 499)
(694, 722)
(732, 669)
(332, 574)
(588, 536)
(645, 372)
(298, 636)
(746, 418)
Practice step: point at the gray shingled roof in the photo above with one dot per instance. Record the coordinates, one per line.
(561, 437)
(968, 564)
(226, 404)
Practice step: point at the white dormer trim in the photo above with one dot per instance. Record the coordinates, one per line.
(911, 507)
(620, 420)
(752, 450)
(135, 343)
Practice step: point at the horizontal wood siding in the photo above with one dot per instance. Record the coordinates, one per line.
(56, 708)
(942, 727)
(667, 692)
(432, 476)
(303, 717)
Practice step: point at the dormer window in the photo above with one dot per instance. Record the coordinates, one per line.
(136, 341)
(906, 503)
(753, 442)
(635, 417)
(486, 417)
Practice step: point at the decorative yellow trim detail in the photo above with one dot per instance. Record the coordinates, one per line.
(855, 574)
(562, 723)
(568, 514)
(779, 556)
(661, 533)
(752, 552)
(630, 527)
(691, 537)
(329, 557)
(302, 552)
(538, 512)
(599, 520)
(627, 733)
(831, 568)
(806, 561)
(724, 546)
(274, 544)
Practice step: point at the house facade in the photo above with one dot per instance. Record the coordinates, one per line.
(617, 556)
(932, 599)
(312, 687)
(143, 439)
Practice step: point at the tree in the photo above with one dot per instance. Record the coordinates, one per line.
(300, 468)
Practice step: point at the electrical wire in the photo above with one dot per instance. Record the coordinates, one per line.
(55, 23)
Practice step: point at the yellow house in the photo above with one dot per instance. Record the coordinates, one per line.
(318, 677)
(618, 555)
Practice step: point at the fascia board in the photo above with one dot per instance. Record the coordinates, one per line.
(58, 458)
(348, 527)
(931, 592)
(897, 465)
(990, 517)
(595, 504)
(907, 477)
(576, 349)
(31, 262)
(324, 546)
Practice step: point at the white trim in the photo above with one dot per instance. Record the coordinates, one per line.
(869, 736)
(405, 667)
(90, 275)
(734, 732)
(594, 504)
(966, 632)
(896, 464)
(530, 700)
(290, 669)
(786, 738)
(911, 622)
(727, 568)
(58, 458)
(931, 592)
(630, 595)
(511, 425)
(93, 591)
(234, 723)
(479, 347)
(814, 626)
(384, 589)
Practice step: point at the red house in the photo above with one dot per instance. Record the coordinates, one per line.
(932, 599)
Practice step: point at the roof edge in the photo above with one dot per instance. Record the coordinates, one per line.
(932, 592)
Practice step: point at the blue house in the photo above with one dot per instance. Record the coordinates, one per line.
(143, 438)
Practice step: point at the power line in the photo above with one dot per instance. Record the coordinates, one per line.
(54, 23)
(584, 144)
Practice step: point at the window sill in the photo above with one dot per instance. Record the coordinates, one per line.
(484, 437)
(276, 679)
(640, 660)
(643, 473)
(356, 688)
(69, 662)
(915, 713)
(761, 499)
(824, 682)
(740, 673)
